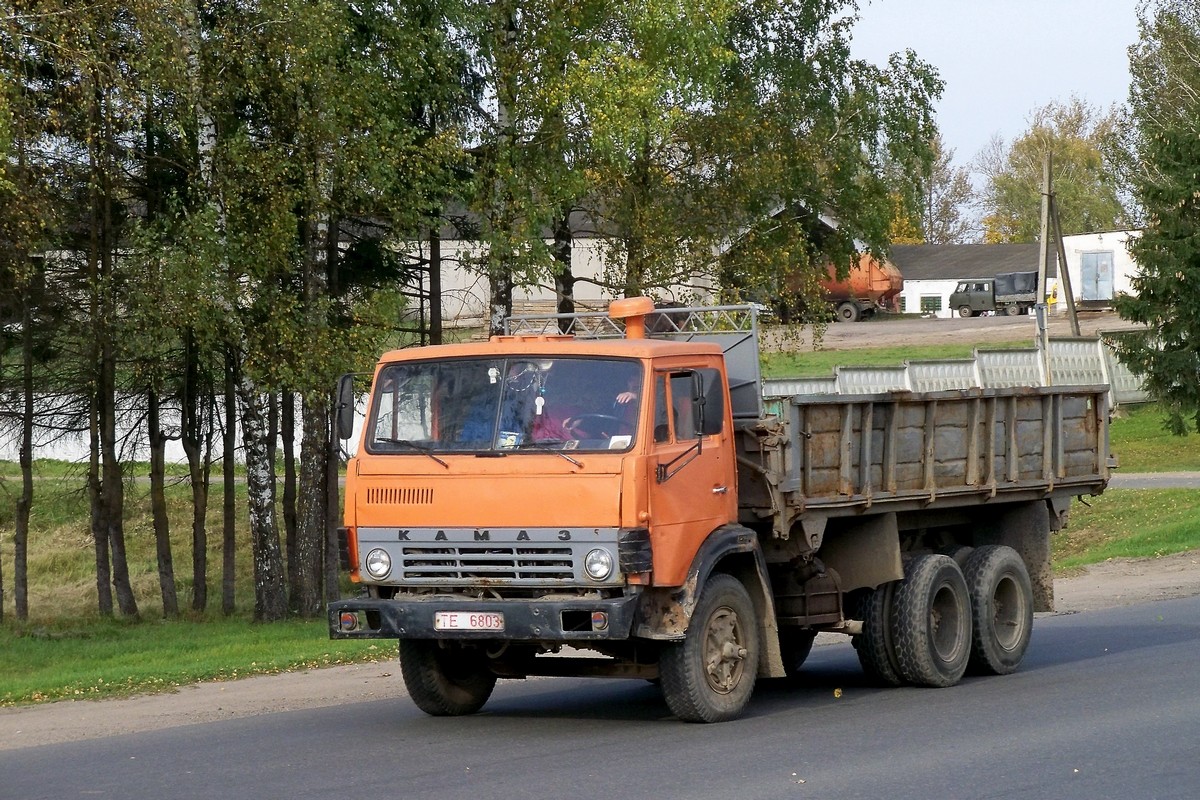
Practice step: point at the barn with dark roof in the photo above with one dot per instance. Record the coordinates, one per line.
(931, 271)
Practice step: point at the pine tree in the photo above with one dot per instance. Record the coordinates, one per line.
(1165, 115)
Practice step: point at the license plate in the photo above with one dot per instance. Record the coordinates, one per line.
(468, 621)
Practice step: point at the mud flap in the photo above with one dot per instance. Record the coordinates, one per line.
(1025, 527)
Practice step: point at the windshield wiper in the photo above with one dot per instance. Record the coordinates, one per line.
(420, 448)
(538, 448)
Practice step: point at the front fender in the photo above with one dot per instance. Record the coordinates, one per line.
(665, 612)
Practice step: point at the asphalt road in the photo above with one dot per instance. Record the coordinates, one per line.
(1107, 705)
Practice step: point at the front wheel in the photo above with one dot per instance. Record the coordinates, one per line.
(709, 676)
(1001, 609)
(848, 312)
(965, 311)
(445, 679)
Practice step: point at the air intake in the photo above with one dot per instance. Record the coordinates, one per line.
(399, 496)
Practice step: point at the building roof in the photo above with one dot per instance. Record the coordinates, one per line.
(934, 262)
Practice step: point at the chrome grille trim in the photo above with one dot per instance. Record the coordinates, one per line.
(465, 558)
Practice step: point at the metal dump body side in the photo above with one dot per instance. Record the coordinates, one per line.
(954, 432)
(838, 455)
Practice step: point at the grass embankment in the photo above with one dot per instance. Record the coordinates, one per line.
(818, 363)
(1128, 523)
(67, 651)
(106, 658)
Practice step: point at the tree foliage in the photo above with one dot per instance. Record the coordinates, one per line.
(1164, 109)
(1085, 183)
(946, 199)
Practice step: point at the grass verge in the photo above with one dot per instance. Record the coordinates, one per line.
(110, 658)
(1129, 523)
(819, 363)
(1141, 444)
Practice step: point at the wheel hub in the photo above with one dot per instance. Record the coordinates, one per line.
(724, 655)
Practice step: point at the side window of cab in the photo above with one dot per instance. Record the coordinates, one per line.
(685, 401)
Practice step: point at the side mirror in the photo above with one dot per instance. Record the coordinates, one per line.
(345, 406)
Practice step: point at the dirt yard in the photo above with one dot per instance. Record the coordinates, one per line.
(1112, 583)
(975, 330)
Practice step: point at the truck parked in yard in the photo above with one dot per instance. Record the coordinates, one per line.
(638, 491)
(871, 285)
(1009, 293)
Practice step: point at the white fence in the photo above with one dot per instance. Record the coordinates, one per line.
(1077, 362)
(61, 425)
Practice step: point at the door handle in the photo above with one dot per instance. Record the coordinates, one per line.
(720, 489)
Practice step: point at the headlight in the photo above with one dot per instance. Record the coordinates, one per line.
(598, 564)
(379, 563)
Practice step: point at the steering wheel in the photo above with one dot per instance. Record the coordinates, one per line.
(593, 426)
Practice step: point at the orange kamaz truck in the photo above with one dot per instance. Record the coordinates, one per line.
(631, 499)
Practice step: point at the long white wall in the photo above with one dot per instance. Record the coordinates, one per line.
(465, 291)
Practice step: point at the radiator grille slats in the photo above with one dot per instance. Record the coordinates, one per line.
(471, 562)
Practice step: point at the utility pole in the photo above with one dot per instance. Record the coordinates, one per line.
(1064, 274)
(1043, 339)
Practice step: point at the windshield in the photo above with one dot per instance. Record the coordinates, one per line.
(522, 404)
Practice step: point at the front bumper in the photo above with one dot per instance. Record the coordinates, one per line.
(590, 619)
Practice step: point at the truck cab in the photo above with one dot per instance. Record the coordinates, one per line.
(973, 297)
(512, 497)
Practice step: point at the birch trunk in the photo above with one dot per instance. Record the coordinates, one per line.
(25, 502)
(270, 597)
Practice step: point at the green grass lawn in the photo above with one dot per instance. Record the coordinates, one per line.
(1141, 444)
(1129, 523)
(112, 658)
(818, 363)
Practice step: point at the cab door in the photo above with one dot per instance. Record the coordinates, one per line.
(693, 488)
(981, 297)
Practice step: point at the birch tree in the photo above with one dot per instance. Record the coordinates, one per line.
(1086, 188)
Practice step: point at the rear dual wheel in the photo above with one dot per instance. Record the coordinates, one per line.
(1001, 609)
(931, 615)
(445, 679)
(874, 647)
(917, 630)
(943, 619)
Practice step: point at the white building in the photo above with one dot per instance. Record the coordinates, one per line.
(932, 271)
(1099, 267)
